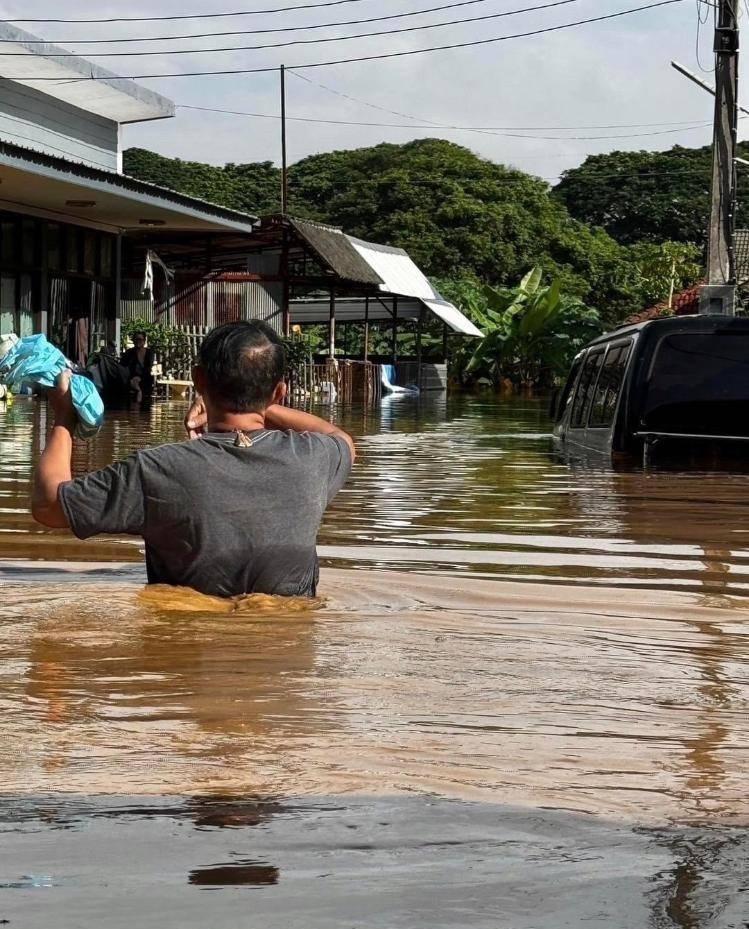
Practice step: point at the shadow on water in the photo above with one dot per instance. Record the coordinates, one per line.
(375, 862)
(236, 874)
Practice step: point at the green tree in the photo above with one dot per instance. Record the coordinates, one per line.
(457, 214)
(252, 188)
(646, 196)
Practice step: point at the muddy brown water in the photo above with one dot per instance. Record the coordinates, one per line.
(520, 702)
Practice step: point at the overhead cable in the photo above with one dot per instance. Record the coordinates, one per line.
(322, 41)
(216, 35)
(361, 58)
(492, 130)
(431, 122)
(182, 16)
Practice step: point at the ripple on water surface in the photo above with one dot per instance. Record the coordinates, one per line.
(554, 634)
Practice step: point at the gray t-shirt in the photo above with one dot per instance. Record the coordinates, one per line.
(221, 519)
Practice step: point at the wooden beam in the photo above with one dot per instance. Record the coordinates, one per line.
(366, 328)
(394, 351)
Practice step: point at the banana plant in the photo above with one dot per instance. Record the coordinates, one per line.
(531, 331)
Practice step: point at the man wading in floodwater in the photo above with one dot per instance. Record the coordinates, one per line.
(234, 511)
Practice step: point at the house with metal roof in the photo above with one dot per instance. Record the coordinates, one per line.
(296, 273)
(66, 209)
(76, 234)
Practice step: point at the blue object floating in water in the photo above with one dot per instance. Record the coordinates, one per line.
(35, 362)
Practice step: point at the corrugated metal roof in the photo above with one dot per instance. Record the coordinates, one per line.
(61, 168)
(336, 251)
(352, 309)
(399, 274)
(403, 277)
(348, 309)
(741, 252)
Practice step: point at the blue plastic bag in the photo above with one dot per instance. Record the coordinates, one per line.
(35, 362)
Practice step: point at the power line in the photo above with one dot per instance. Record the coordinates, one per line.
(213, 35)
(362, 58)
(182, 16)
(423, 119)
(491, 130)
(344, 38)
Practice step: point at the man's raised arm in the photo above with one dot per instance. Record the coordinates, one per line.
(54, 466)
(284, 417)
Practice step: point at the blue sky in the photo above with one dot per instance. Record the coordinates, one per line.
(600, 74)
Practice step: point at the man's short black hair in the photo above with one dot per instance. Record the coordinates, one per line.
(243, 362)
(140, 335)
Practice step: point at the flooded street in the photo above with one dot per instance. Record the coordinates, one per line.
(521, 701)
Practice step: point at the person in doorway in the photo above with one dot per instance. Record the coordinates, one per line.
(236, 509)
(138, 362)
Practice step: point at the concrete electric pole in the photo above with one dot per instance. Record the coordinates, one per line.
(719, 294)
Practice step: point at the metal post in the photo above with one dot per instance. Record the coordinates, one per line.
(366, 329)
(285, 285)
(331, 325)
(114, 333)
(45, 322)
(720, 293)
(284, 166)
(419, 327)
(394, 347)
(444, 342)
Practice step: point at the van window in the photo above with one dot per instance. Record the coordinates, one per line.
(585, 387)
(566, 395)
(699, 383)
(609, 385)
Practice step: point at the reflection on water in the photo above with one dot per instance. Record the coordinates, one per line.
(235, 874)
(495, 626)
(464, 486)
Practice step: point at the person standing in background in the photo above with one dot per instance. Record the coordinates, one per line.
(139, 361)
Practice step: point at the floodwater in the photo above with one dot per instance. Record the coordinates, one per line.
(520, 702)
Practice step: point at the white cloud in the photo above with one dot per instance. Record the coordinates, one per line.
(605, 73)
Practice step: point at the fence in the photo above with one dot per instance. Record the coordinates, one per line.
(204, 302)
(178, 357)
(346, 381)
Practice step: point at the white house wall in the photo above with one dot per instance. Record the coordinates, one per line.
(35, 120)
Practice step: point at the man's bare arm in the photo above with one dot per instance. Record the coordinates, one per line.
(284, 417)
(55, 464)
(276, 417)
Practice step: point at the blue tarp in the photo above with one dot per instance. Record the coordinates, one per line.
(35, 362)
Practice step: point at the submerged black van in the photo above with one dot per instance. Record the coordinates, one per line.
(673, 389)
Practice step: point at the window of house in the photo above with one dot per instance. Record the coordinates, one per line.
(106, 256)
(25, 305)
(609, 385)
(54, 246)
(72, 250)
(8, 238)
(90, 253)
(8, 322)
(585, 388)
(29, 243)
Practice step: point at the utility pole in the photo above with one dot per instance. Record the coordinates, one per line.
(284, 165)
(719, 295)
(286, 284)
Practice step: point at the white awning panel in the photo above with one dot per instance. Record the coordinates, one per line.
(394, 266)
(454, 318)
